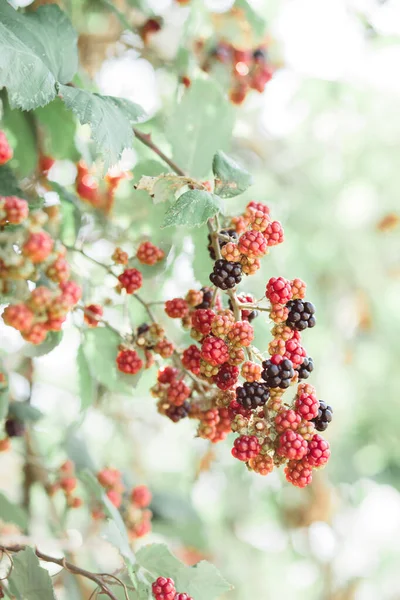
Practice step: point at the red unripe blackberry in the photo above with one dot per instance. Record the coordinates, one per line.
(6, 152)
(178, 392)
(301, 315)
(183, 596)
(71, 292)
(163, 589)
(38, 246)
(262, 464)
(252, 244)
(68, 484)
(167, 374)
(318, 451)
(235, 408)
(59, 270)
(274, 234)
(131, 280)
(128, 361)
(164, 348)
(214, 351)
(278, 372)
(14, 428)
(279, 290)
(252, 395)
(141, 496)
(307, 406)
(259, 220)
(228, 232)
(323, 416)
(298, 473)
(109, 477)
(96, 311)
(226, 275)
(306, 368)
(287, 419)
(18, 316)
(295, 352)
(202, 319)
(246, 447)
(191, 359)
(251, 371)
(254, 206)
(226, 377)
(177, 413)
(241, 334)
(16, 209)
(149, 254)
(36, 334)
(114, 497)
(45, 163)
(292, 445)
(177, 308)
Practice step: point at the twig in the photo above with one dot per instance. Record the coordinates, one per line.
(145, 138)
(97, 578)
(92, 315)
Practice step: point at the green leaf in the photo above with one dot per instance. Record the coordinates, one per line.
(77, 450)
(23, 411)
(8, 183)
(29, 579)
(52, 340)
(59, 127)
(230, 179)
(37, 49)
(201, 124)
(166, 187)
(87, 386)
(110, 119)
(117, 530)
(203, 581)
(101, 348)
(12, 513)
(193, 209)
(21, 134)
(157, 559)
(254, 19)
(70, 222)
(4, 401)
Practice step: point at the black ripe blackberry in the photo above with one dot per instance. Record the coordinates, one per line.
(252, 395)
(14, 428)
(278, 375)
(324, 417)
(207, 298)
(259, 54)
(226, 275)
(231, 232)
(305, 369)
(177, 413)
(142, 329)
(301, 314)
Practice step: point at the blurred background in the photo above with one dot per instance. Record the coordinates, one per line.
(322, 143)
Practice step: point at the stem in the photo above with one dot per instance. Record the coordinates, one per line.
(97, 578)
(89, 313)
(145, 138)
(93, 260)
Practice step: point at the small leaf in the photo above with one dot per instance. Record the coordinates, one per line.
(193, 209)
(203, 581)
(157, 559)
(230, 179)
(166, 187)
(8, 183)
(110, 119)
(36, 50)
(52, 340)
(23, 411)
(87, 387)
(29, 579)
(12, 513)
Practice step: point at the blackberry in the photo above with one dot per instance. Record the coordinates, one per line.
(301, 314)
(259, 54)
(252, 395)
(207, 298)
(231, 232)
(226, 275)
(278, 375)
(142, 329)
(305, 369)
(14, 428)
(324, 416)
(176, 413)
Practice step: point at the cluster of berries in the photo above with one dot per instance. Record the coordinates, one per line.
(97, 193)
(249, 69)
(133, 505)
(67, 482)
(164, 589)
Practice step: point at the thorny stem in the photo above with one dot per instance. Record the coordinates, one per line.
(97, 578)
(145, 138)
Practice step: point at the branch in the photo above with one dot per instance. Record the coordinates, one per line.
(97, 578)
(145, 138)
